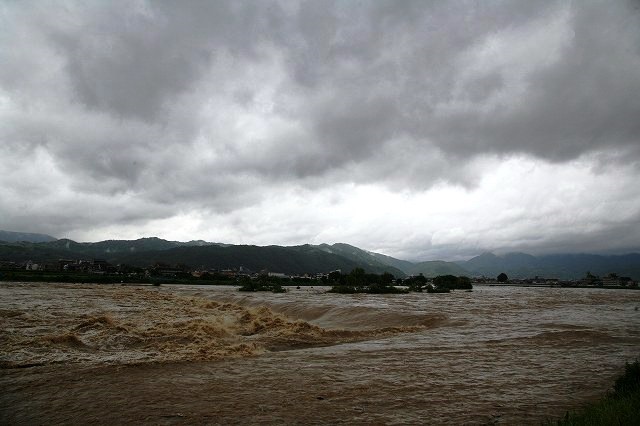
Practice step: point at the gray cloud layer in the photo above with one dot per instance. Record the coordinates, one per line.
(163, 107)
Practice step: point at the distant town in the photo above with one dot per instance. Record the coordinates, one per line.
(99, 270)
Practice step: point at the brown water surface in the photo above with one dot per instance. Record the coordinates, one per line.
(205, 355)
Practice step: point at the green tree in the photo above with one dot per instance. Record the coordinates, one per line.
(262, 283)
(356, 278)
(451, 282)
(416, 283)
(464, 283)
(334, 276)
(502, 278)
(358, 281)
(387, 278)
(445, 281)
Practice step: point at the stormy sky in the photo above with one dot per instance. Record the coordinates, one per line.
(419, 129)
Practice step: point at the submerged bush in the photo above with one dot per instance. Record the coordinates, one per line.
(358, 281)
(432, 289)
(344, 289)
(416, 283)
(452, 282)
(262, 284)
(370, 289)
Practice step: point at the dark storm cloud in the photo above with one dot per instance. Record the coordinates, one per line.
(397, 70)
(370, 72)
(582, 102)
(132, 58)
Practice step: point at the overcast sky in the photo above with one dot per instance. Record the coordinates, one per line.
(423, 130)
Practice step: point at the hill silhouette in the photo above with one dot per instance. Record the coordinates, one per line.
(307, 258)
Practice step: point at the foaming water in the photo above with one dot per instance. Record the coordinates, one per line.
(120, 325)
(199, 354)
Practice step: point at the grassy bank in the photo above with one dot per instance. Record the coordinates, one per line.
(619, 407)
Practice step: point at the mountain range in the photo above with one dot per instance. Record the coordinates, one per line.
(12, 237)
(22, 247)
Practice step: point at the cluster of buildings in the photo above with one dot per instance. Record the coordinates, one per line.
(611, 280)
(63, 265)
(245, 272)
(101, 266)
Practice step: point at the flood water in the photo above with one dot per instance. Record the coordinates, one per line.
(107, 354)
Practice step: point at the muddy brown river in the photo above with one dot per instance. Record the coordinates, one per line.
(111, 354)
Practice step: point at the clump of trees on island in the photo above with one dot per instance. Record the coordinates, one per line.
(359, 281)
(262, 283)
(440, 284)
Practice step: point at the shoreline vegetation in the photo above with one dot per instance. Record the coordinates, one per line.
(359, 281)
(356, 281)
(621, 406)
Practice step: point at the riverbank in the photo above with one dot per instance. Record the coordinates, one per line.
(619, 407)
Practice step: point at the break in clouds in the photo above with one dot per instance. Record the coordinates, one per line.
(419, 129)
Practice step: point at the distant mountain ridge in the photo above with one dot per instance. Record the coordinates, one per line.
(428, 269)
(12, 237)
(196, 254)
(561, 266)
(363, 257)
(144, 252)
(433, 268)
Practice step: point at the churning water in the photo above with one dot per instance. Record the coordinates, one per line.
(206, 355)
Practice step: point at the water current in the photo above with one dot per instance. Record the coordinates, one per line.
(110, 354)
